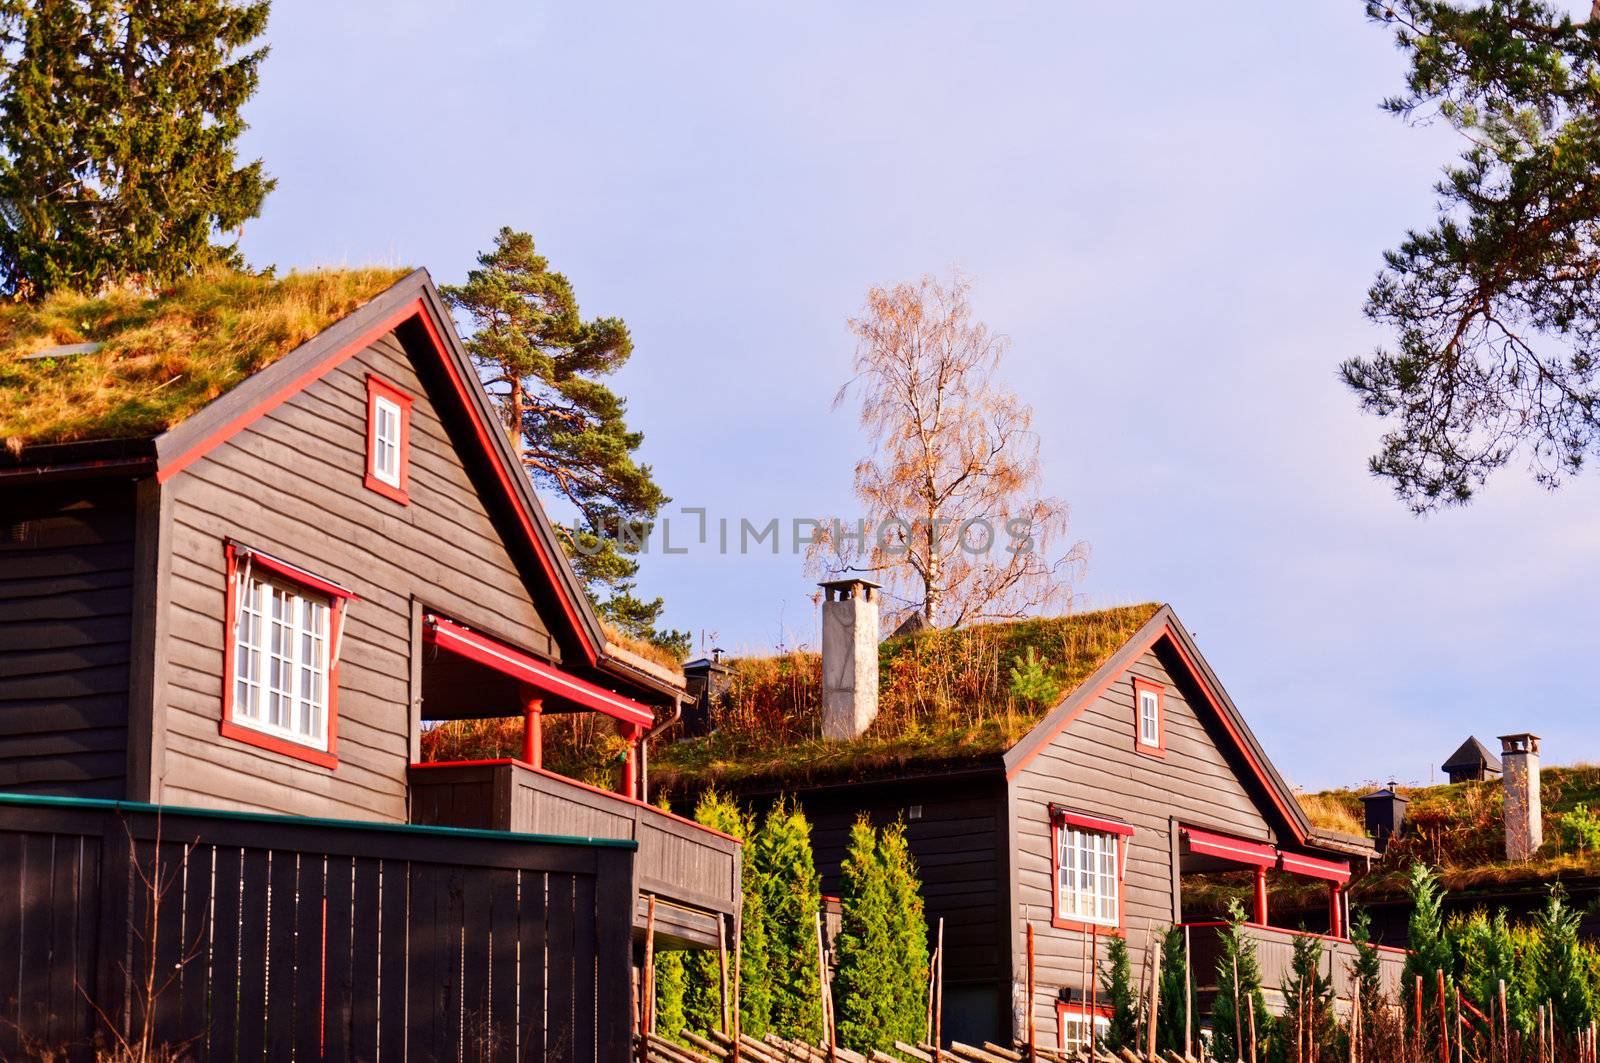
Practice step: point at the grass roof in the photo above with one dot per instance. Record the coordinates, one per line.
(944, 697)
(161, 357)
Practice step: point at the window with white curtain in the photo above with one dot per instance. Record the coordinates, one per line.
(1087, 875)
(281, 660)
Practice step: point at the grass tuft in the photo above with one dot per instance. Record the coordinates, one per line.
(162, 357)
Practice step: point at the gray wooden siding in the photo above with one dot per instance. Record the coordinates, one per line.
(1091, 767)
(292, 484)
(66, 597)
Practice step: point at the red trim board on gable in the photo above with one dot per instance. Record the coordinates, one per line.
(415, 308)
(519, 665)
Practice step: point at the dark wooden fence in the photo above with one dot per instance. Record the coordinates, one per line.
(244, 937)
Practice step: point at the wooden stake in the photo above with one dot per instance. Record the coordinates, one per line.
(647, 1003)
(722, 969)
(1251, 1004)
(1155, 994)
(1238, 1018)
(938, 986)
(1033, 1047)
(1444, 1023)
(738, 991)
(1505, 1025)
(824, 989)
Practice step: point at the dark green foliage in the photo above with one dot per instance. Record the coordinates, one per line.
(908, 934)
(1563, 972)
(863, 988)
(1176, 993)
(703, 989)
(1366, 970)
(1031, 682)
(1492, 307)
(671, 1019)
(1580, 830)
(1230, 1037)
(118, 124)
(1116, 984)
(1306, 1031)
(1486, 954)
(545, 365)
(792, 899)
(1430, 950)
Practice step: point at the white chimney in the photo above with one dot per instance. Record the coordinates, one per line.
(849, 657)
(1524, 818)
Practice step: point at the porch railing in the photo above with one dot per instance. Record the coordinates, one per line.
(1275, 952)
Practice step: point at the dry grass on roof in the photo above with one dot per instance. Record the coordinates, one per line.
(1338, 810)
(642, 648)
(162, 357)
(944, 696)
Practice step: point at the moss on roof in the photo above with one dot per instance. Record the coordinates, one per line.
(1457, 828)
(944, 699)
(162, 357)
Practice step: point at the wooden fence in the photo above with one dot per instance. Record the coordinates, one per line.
(247, 937)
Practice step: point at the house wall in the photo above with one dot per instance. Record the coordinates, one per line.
(1091, 767)
(66, 607)
(291, 484)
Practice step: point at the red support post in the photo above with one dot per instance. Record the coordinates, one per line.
(1335, 911)
(630, 768)
(1261, 896)
(533, 732)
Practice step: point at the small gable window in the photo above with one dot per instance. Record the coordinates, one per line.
(1088, 859)
(285, 629)
(388, 439)
(1150, 709)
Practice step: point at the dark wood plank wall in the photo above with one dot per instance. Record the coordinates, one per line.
(291, 484)
(276, 940)
(1092, 767)
(66, 598)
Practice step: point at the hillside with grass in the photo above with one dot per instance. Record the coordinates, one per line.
(944, 696)
(159, 357)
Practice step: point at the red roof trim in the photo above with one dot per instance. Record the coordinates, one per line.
(1314, 867)
(415, 308)
(1165, 631)
(1226, 847)
(519, 665)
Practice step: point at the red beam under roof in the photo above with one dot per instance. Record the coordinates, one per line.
(513, 662)
(1235, 850)
(1314, 867)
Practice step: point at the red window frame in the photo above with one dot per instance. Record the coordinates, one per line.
(1059, 818)
(1141, 687)
(338, 597)
(1079, 1011)
(378, 388)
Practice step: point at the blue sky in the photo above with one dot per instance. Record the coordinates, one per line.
(1173, 211)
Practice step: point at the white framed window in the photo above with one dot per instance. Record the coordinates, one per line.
(386, 440)
(282, 656)
(1149, 717)
(1076, 1029)
(1088, 874)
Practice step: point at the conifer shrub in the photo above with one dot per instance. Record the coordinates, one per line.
(908, 934)
(1116, 983)
(792, 897)
(1238, 993)
(864, 986)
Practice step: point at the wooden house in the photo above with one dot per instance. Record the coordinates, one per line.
(258, 606)
(1143, 775)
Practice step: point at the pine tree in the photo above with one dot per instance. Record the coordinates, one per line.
(703, 989)
(864, 986)
(908, 932)
(792, 897)
(1176, 993)
(118, 126)
(1228, 1023)
(1366, 969)
(670, 978)
(545, 366)
(1563, 972)
(1116, 982)
(1430, 950)
(1487, 955)
(1306, 1031)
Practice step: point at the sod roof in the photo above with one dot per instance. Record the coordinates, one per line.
(126, 364)
(945, 699)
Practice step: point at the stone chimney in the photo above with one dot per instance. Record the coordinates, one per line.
(849, 657)
(1519, 759)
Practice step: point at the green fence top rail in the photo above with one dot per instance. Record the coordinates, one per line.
(411, 829)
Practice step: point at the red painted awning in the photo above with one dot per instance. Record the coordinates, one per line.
(1315, 867)
(513, 662)
(1069, 818)
(1226, 847)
